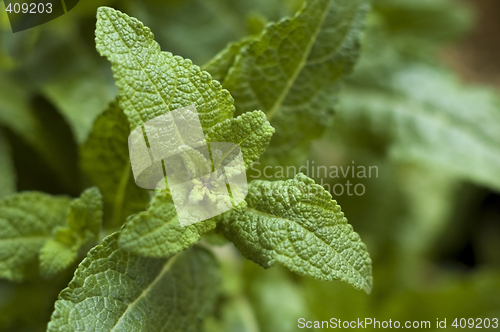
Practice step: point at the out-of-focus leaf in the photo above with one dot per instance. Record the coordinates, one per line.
(80, 98)
(296, 223)
(85, 214)
(234, 311)
(219, 65)
(7, 171)
(475, 295)
(198, 29)
(428, 117)
(84, 221)
(105, 159)
(137, 293)
(445, 20)
(431, 197)
(292, 71)
(151, 82)
(278, 301)
(56, 254)
(51, 228)
(27, 221)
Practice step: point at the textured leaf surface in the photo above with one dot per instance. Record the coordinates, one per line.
(151, 82)
(296, 223)
(251, 131)
(105, 159)
(114, 290)
(428, 117)
(157, 232)
(293, 70)
(27, 221)
(7, 171)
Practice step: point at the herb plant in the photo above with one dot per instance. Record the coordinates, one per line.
(107, 255)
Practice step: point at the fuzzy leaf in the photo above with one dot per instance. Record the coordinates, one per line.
(296, 223)
(293, 70)
(105, 159)
(251, 131)
(157, 232)
(27, 221)
(114, 290)
(151, 82)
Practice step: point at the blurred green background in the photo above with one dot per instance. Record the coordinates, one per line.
(431, 219)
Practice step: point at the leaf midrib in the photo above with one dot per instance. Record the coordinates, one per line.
(164, 270)
(148, 76)
(298, 70)
(266, 214)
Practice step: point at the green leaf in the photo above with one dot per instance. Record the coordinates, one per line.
(151, 82)
(292, 71)
(428, 117)
(157, 232)
(250, 131)
(56, 256)
(80, 97)
(296, 223)
(7, 171)
(84, 221)
(271, 289)
(105, 159)
(445, 20)
(51, 228)
(85, 214)
(27, 221)
(136, 293)
(219, 65)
